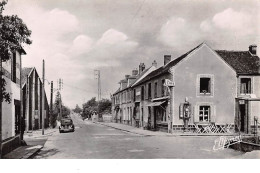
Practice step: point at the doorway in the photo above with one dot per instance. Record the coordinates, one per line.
(17, 115)
(242, 113)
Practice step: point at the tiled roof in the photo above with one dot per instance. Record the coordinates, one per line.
(165, 68)
(25, 71)
(137, 77)
(243, 62)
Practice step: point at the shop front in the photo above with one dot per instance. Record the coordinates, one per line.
(157, 115)
(247, 111)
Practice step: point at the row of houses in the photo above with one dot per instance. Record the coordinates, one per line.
(202, 86)
(24, 112)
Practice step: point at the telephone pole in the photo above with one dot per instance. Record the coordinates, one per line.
(51, 112)
(60, 87)
(97, 76)
(43, 96)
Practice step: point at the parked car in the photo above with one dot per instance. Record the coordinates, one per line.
(66, 125)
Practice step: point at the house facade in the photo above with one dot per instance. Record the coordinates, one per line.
(217, 87)
(32, 100)
(123, 100)
(11, 112)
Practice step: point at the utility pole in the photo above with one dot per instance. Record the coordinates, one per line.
(51, 112)
(60, 82)
(1, 100)
(43, 96)
(97, 76)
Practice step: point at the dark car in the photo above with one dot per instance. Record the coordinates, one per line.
(66, 125)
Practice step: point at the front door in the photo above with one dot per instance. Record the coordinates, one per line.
(242, 113)
(17, 115)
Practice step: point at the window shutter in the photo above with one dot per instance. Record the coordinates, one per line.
(196, 113)
(181, 110)
(212, 113)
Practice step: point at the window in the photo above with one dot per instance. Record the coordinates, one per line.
(205, 84)
(245, 86)
(155, 89)
(149, 90)
(204, 113)
(142, 93)
(163, 87)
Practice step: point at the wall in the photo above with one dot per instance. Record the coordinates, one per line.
(8, 119)
(255, 105)
(205, 61)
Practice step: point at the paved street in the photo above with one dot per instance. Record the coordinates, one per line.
(97, 141)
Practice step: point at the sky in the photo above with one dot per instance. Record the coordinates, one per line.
(76, 37)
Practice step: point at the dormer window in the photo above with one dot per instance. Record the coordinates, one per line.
(245, 86)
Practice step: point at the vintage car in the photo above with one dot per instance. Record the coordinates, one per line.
(66, 125)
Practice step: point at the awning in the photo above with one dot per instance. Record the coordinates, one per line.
(156, 103)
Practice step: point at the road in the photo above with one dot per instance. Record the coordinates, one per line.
(95, 141)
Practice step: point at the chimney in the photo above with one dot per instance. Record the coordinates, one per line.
(135, 72)
(252, 49)
(154, 64)
(127, 76)
(141, 68)
(167, 58)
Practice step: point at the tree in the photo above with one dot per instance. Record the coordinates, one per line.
(13, 33)
(77, 109)
(89, 107)
(104, 106)
(101, 107)
(56, 110)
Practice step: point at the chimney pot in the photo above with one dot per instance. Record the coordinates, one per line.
(135, 72)
(127, 76)
(141, 68)
(252, 49)
(167, 59)
(154, 64)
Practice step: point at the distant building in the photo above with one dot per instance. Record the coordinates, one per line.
(220, 87)
(32, 100)
(11, 113)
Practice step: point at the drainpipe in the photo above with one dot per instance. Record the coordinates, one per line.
(21, 124)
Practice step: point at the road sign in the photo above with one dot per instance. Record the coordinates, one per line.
(169, 83)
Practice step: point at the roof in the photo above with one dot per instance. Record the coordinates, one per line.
(25, 72)
(138, 77)
(165, 69)
(243, 62)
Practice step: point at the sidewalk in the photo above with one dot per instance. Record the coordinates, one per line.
(35, 142)
(141, 131)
